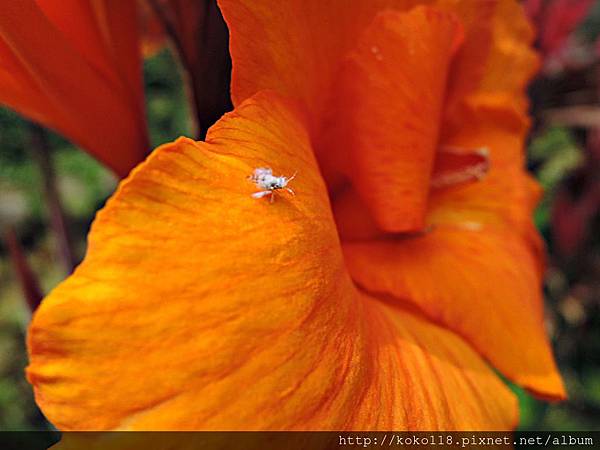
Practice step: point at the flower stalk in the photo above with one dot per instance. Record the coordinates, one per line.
(27, 279)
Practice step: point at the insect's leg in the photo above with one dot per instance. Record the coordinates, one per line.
(290, 191)
(272, 196)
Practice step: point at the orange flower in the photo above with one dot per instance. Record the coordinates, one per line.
(75, 67)
(368, 300)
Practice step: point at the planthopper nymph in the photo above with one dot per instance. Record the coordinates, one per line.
(263, 178)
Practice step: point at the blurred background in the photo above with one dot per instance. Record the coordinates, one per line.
(39, 170)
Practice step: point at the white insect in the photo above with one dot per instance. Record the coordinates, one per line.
(263, 178)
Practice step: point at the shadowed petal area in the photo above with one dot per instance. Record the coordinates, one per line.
(75, 67)
(388, 110)
(200, 307)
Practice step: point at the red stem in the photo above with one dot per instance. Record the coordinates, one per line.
(27, 279)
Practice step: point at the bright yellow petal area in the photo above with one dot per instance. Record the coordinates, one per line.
(200, 307)
(390, 96)
(74, 66)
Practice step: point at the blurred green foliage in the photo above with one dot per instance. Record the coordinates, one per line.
(167, 106)
(555, 154)
(590, 28)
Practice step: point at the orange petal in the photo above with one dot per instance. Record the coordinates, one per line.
(199, 307)
(104, 32)
(486, 95)
(496, 57)
(295, 47)
(467, 70)
(481, 281)
(506, 195)
(502, 202)
(18, 85)
(118, 22)
(352, 217)
(512, 61)
(203, 279)
(390, 100)
(502, 198)
(492, 115)
(437, 381)
(496, 126)
(64, 82)
(496, 60)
